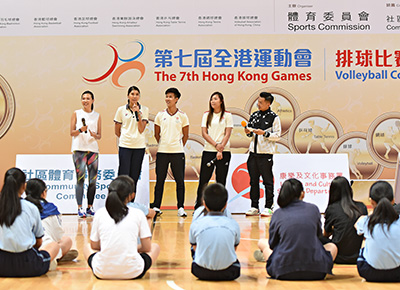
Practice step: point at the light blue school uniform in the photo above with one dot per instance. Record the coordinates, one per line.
(382, 248)
(22, 234)
(199, 212)
(142, 207)
(215, 236)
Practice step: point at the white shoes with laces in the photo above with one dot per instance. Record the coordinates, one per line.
(181, 212)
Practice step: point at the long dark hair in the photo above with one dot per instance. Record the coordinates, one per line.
(291, 190)
(382, 193)
(89, 93)
(10, 204)
(340, 190)
(211, 109)
(118, 191)
(34, 189)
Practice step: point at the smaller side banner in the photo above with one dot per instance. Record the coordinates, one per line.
(315, 171)
(58, 172)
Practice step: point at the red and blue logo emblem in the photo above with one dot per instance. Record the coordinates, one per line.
(116, 71)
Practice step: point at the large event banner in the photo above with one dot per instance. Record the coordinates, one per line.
(332, 66)
(58, 172)
(315, 171)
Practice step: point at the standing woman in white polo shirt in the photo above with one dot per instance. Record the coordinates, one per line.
(171, 130)
(85, 131)
(130, 123)
(216, 128)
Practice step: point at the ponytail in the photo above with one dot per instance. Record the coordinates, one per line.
(382, 193)
(384, 213)
(115, 207)
(118, 191)
(10, 204)
(291, 190)
(34, 189)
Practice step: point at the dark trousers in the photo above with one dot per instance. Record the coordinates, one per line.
(228, 274)
(221, 171)
(177, 161)
(375, 275)
(261, 165)
(130, 162)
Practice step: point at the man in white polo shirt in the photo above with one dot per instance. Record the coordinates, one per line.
(171, 130)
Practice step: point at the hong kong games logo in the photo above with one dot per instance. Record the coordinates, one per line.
(115, 70)
(241, 182)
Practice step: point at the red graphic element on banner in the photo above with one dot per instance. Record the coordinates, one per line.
(128, 64)
(114, 64)
(241, 181)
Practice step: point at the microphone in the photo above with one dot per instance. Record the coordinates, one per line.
(136, 113)
(244, 124)
(212, 162)
(84, 123)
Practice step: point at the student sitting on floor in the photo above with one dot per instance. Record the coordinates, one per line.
(21, 232)
(113, 239)
(294, 251)
(214, 238)
(36, 192)
(379, 260)
(340, 216)
(202, 211)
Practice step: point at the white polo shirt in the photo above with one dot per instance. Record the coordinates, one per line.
(217, 129)
(171, 131)
(130, 136)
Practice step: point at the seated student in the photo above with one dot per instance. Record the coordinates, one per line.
(202, 211)
(36, 192)
(379, 260)
(340, 216)
(113, 239)
(148, 212)
(21, 232)
(294, 251)
(214, 238)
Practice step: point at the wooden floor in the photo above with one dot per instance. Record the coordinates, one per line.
(172, 269)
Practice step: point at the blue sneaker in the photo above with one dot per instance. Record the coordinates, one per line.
(81, 213)
(90, 211)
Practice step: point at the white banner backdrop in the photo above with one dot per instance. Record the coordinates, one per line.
(315, 171)
(94, 17)
(58, 172)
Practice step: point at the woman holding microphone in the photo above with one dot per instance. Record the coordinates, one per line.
(216, 128)
(130, 122)
(85, 130)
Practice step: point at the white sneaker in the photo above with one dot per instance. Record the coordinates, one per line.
(181, 212)
(157, 210)
(267, 212)
(252, 211)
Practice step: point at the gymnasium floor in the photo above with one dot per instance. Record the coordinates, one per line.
(172, 269)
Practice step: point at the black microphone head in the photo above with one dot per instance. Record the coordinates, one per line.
(84, 123)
